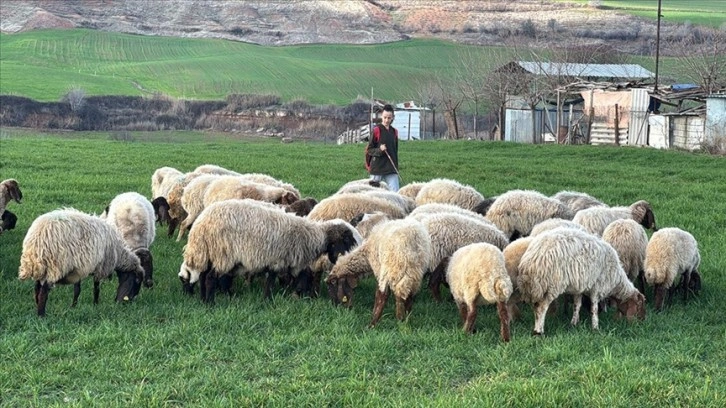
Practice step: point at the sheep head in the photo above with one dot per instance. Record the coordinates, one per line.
(161, 209)
(643, 213)
(340, 289)
(632, 307)
(129, 283)
(339, 240)
(147, 264)
(8, 221)
(13, 189)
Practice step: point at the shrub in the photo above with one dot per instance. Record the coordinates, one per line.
(528, 29)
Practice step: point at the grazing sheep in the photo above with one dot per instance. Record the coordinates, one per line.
(449, 232)
(553, 223)
(672, 252)
(357, 186)
(65, 246)
(449, 192)
(477, 274)
(302, 207)
(630, 242)
(347, 206)
(438, 208)
(577, 201)
(566, 260)
(406, 204)
(365, 223)
(8, 221)
(397, 253)
(516, 212)
(9, 190)
(512, 256)
(596, 219)
(248, 237)
(216, 170)
(132, 215)
(162, 180)
(169, 209)
(411, 190)
(192, 200)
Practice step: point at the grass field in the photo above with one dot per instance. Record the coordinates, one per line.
(698, 12)
(166, 349)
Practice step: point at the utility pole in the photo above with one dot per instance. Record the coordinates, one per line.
(657, 49)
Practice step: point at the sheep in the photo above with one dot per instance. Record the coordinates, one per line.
(411, 190)
(249, 237)
(169, 209)
(9, 220)
(216, 170)
(449, 192)
(552, 223)
(477, 274)
(302, 207)
(437, 208)
(596, 219)
(162, 180)
(671, 252)
(365, 223)
(566, 260)
(512, 256)
(516, 212)
(630, 242)
(9, 190)
(577, 201)
(347, 206)
(397, 253)
(449, 232)
(357, 186)
(406, 204)
(132, 215)
(192, 200)
(65, 246)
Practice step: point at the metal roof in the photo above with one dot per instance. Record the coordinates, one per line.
(630, 71)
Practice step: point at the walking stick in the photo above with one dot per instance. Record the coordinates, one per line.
(394, 166)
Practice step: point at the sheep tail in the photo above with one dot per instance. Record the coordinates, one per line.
(530, 288)
(503, 289)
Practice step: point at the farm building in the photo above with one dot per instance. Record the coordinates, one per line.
(407, 120)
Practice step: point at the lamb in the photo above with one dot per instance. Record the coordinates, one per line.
(566, 260)
(553, 223)
(132, 215)
(449, 232)
(449, 192)
(302, 207)
(516, 212)
(65, 246)
(596, 219)
(347, 206)
(8, 221)
(477, 274)
(9, 190)
(411, 190)
(630, 242)
(397, 253)
(671, 252)
(162, 180)
(577, 201)
(249, 237)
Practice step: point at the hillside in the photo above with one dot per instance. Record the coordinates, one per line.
(491, 22)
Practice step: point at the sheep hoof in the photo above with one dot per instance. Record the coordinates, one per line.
(538, 334)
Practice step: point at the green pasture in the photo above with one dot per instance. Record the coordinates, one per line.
(166, 349)
(698, 12)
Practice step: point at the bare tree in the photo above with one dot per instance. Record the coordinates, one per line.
(702, 58)
(471, 80)
(451, 98)
(75, 97)
(499, 83)
(428, 96)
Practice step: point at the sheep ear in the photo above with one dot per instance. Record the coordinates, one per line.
(15, 192)
(649, 219)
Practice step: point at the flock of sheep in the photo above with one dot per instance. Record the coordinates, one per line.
(520, 246)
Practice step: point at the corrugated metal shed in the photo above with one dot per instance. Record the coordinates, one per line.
(715, 116)
(590, 71)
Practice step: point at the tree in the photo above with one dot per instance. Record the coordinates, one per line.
(75, 97)
(702, 58)
(429, 99)
(471, 80)
(450, 97)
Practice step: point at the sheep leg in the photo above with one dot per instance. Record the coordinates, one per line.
(183, 227)
(400, 308)
(462, 312)
(42, 298)
(577, 304)
(470, 318)
(381, 298)
(172, 226)
(685, 283)
(641, 282)
(96, 291)
(594, 313)
(408, 303)
(540, 312)
(203, 285)
(76, 293)
(269, 283)
(503, 311)
(660, 294)
(211, 287)
(437, 275)
(37, 291)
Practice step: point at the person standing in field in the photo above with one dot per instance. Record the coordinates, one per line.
(382, 151)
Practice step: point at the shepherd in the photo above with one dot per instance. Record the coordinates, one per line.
(382, 151)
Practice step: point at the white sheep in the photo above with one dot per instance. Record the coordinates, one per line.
(412, 189)
(169, 209)
(347, 206)
(552, 223)
(397, 253)
(449, 192)
(249, 237)
(596, 219)
(357, 186)
(449, 232)
(630, 242)
(438, 208)
(132, 215)
(672, 252)
(162, 181)
(407, 204)
(214, 169)
(477, 274)
(577, 201)
(512, 256)
(365, 223)
(192, 200)
(516, 212)
(9, 190)
(65, 246)
(566, 260)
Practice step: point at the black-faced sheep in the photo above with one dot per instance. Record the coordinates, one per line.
(9, 190)
(133, 217)
(672, 252)
(248, 237)
(397, 253)
(630, 242)
(566, 260)
(169, 209)
(347, 206)
(302, 207)
(577, 201)
(596, 219)
(449, 192)
(477, 274)
(516, 212)
(65, 246)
